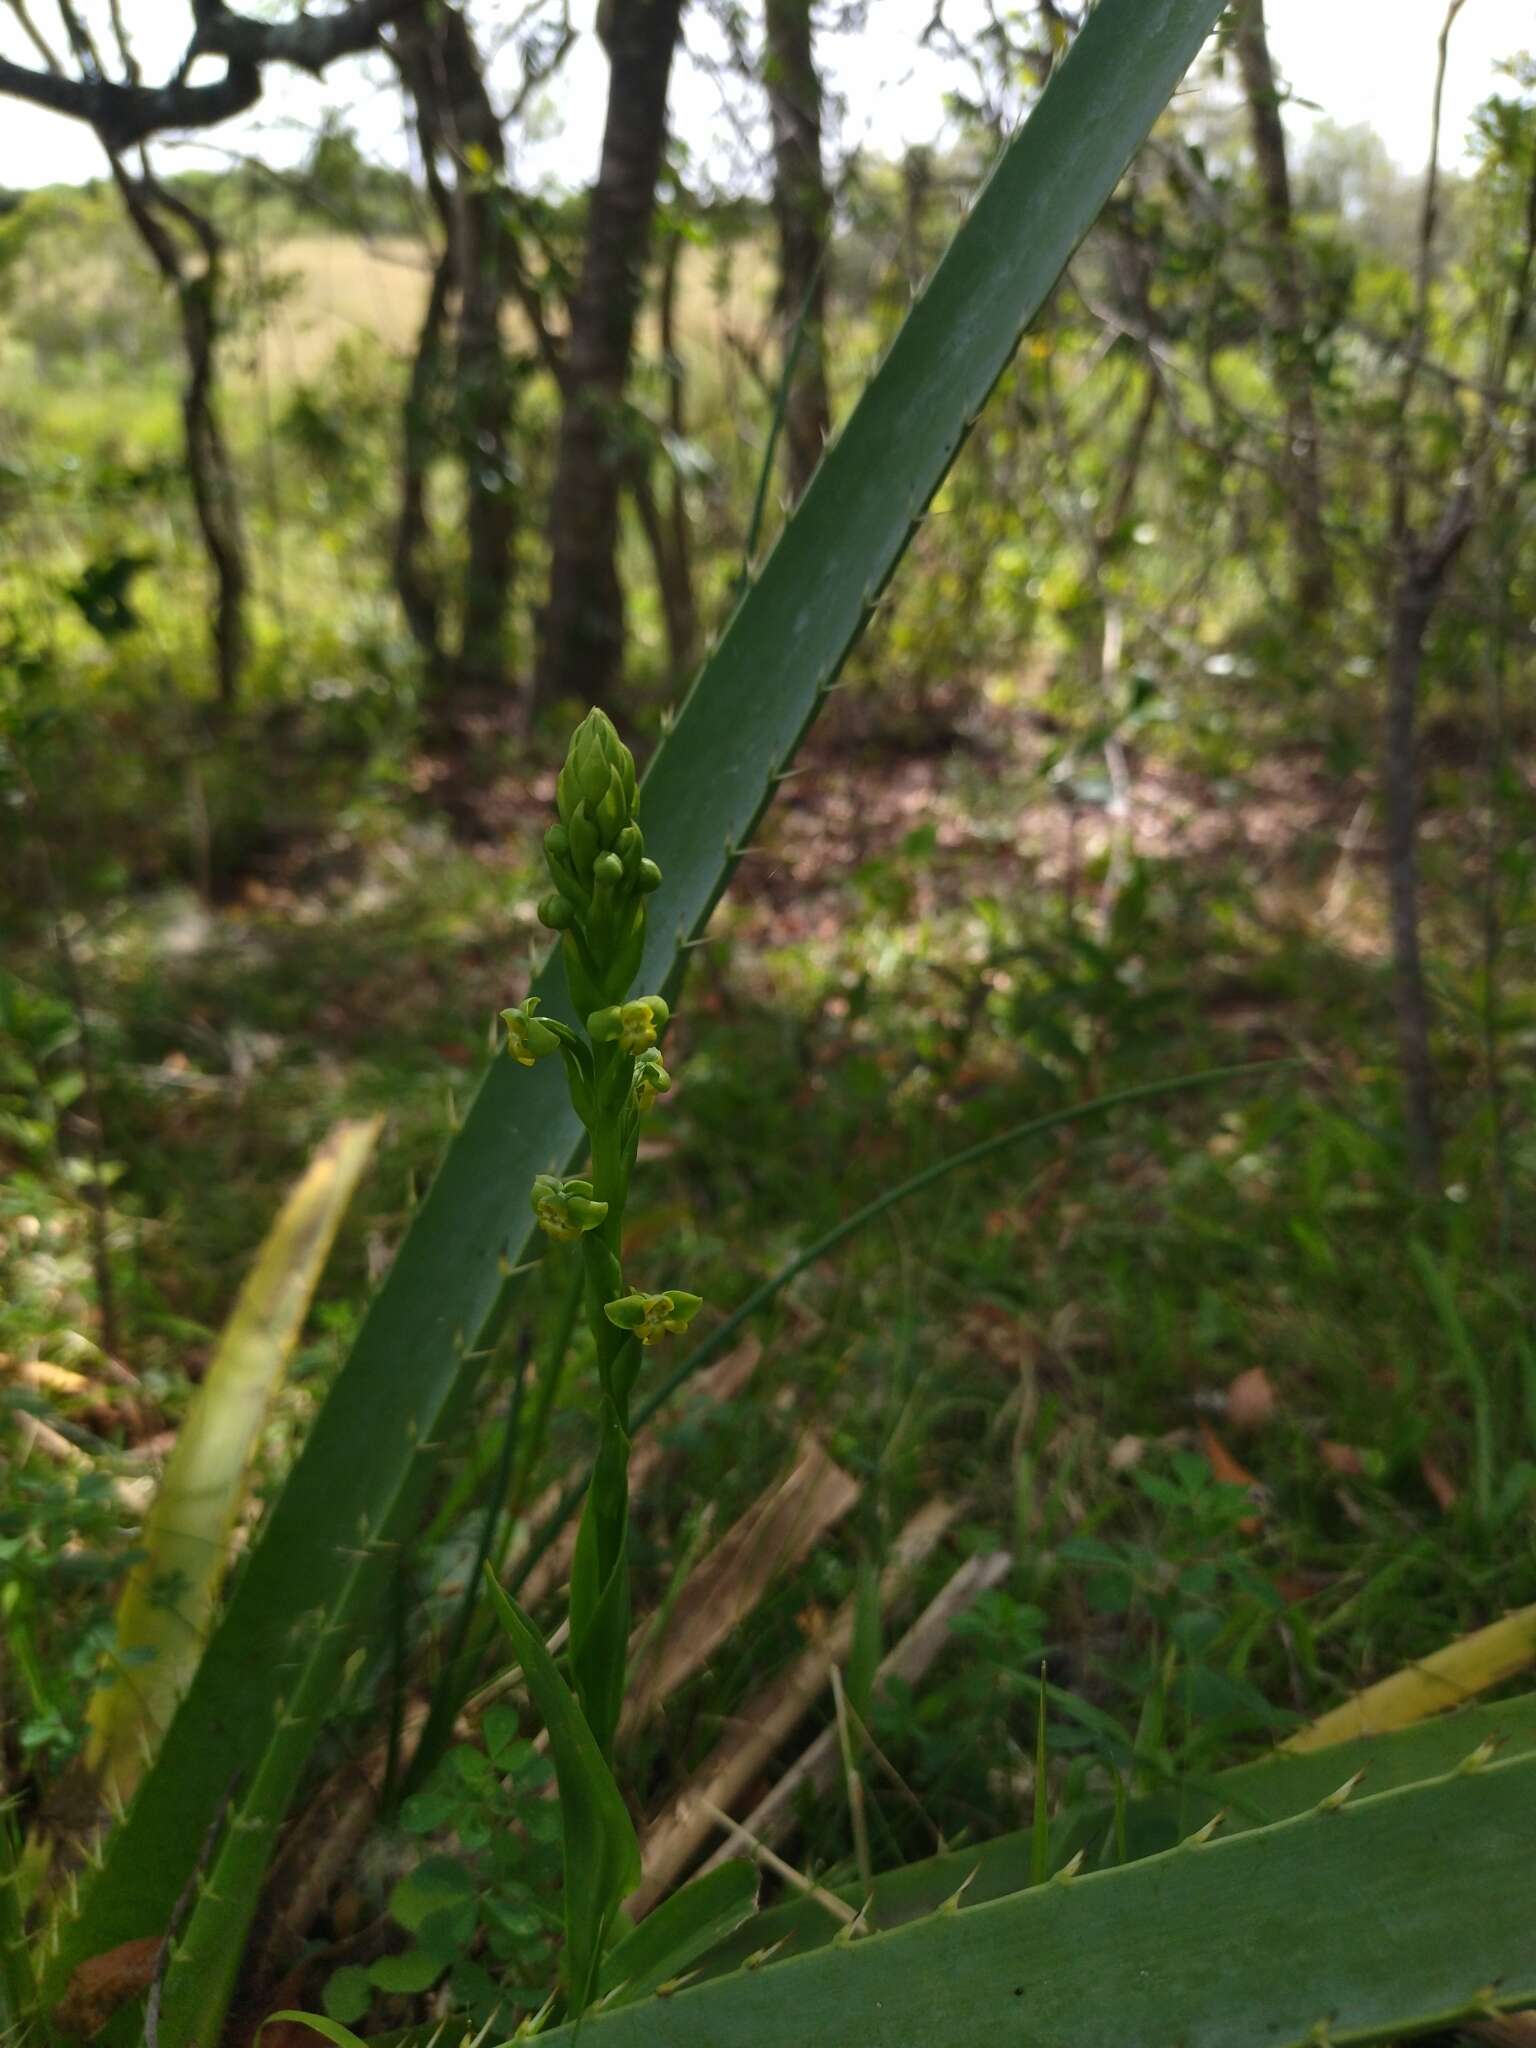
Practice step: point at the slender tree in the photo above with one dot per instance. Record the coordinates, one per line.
(1302, 465)
(192, 264)
(464, 161)
(581, 627)
(1423, 552)
(802, 212)
(664, 513)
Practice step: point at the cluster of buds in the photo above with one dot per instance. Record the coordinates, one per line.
(650, 1317)
(565, 1208)
(596, 860)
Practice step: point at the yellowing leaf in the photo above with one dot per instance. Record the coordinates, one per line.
(166, 1606)
(1450, 1677)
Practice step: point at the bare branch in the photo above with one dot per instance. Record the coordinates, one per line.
(124, 115)
(34, 35)
(309, 43)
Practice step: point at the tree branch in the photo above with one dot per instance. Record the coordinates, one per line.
(309, 43)
(124, 115)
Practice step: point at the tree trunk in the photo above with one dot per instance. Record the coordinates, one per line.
(1303, 461)
(674, 582)
(581, 629)
(210, 471)
(214, 490)
(416, 583)
(1420, 582)
(458, 126)
(668, 533)
(802, 211)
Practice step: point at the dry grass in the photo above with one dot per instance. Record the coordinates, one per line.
(338, 289)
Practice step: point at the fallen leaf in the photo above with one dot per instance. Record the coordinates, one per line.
(1221, 1461)
(1128, 1451)
(1344, 1459)
(1295, 1588)
(1440, 1483)
(1226, 1469)
(1251, 1400)
(102, 1983)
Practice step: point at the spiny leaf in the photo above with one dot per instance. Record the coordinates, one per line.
(1251, 1795)
(1341, 1921)
(681, 1929)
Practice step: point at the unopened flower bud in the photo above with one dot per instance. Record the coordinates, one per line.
(650, 1317)
(648, 877)
(608, 870)
(611, 811)
(557, 913)
(596, 761)
(592, 773)
(585, 844)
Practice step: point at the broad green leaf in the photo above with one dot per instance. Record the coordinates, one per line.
(436, 1882)
(316, 1575)
(1339, 1925)
(412, 1970)
(602, 1856)
(348, 1994)
(167, 1602)
(681, 1929)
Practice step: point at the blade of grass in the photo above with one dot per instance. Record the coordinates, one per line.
(18, 1987)
(1464, 1351)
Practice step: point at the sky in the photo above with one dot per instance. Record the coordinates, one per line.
(1353, 60)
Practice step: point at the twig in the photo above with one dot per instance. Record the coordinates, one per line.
(761, 1853)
